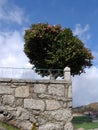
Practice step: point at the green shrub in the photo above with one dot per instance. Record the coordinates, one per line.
(8, 127)
(81, 119)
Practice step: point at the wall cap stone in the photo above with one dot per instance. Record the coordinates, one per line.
(33, 81)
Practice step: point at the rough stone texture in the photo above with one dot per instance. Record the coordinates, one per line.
(34, 104)
(68, 126)
(69, 104)
(39, 88)
(8, 100)
(56, 89)
(19, 102)
(22, 91)
(32, 118)
(70, 91)
(22, 113)
(62, 114)
(42, 120)
(59, 115)
(50, 126)
(47, 103)
(5, 90)
(52, 104)
(0, 100)
(26, 125)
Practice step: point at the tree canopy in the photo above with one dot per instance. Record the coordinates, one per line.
(53, 47)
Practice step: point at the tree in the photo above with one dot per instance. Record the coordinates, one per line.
(53, 47)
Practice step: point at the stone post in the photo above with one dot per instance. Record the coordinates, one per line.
(67, 74)
(67, 77)
(52, 77)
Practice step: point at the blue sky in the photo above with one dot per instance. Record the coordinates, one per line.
(79, 15)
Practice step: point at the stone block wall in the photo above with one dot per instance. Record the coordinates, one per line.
(45, 103)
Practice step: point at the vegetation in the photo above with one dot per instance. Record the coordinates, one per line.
(81, 119)
(84, 122)
(53, 47)
(93, 107)
(8, 127)
(86, 126)
(33, 126)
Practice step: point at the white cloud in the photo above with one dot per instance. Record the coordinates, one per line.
(79, 30)
(82, 32)
(85, 87)
(12, 55)
(10, 12)
(11, 49)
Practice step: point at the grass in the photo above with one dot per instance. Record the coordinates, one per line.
(84, 122)
(8, 127)
(86, 126)
(81, 119)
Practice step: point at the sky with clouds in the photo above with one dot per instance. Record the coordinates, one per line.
(79, 15)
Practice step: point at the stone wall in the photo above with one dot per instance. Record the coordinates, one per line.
(44, 103)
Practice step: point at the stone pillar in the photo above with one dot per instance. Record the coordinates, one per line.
(67, 77)
(52, 77)
(67, 74)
